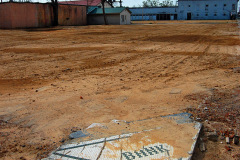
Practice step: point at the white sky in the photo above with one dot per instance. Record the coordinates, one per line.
(128, 3)
(131, 3)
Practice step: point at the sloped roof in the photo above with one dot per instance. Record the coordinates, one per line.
(91, 8)
(108, 10)
(82, 2)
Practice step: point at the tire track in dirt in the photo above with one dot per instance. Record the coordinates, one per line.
(131, 69)
(173, 67)
(218, 40)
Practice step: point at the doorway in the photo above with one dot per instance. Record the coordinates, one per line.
(163, 16)
(189, 16)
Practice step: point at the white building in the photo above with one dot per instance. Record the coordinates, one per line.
(114, 16)
(207, 9)
(189, 10)
(154, 13)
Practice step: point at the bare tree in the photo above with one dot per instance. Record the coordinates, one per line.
(151, 3)
(167, 3)
(103, 7)
(156, 3)
(104, 15)
(55, 12)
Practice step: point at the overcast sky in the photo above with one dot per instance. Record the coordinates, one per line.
(129, 3)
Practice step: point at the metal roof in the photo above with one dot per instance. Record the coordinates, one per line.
(108, 10)
(82, 2)
(91, 8)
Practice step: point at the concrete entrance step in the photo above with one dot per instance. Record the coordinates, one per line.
(168, 137)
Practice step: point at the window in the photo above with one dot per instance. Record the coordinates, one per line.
(215, 14)
(215, 5)
(206, 14)
(197, 14)
(122, 18)
(233, 7)
(224, 5)
(206, 7)
(224, 14)
(189, 5)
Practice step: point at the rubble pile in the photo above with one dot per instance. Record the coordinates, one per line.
(220, 115)
(218, 107)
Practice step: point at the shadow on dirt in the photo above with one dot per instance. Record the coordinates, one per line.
(43, 29)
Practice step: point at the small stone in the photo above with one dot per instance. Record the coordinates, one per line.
(236, 155)
(175, 91)
(198, 119)
(190, 152)
(235, 131)
(236, 70)
(227, 140)
(74, 129)
(212, 136)
(228, 148)
(202, 147)
(231, 136)
(62, 140)
(222, 133)
(78, 134)
(236, 140)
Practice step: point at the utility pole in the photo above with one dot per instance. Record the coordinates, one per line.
(87, 6)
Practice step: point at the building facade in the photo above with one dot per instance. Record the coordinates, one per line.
(207, 9)
(88, 3)
(155, 13)
(34, 15)
(114, 16)
(189, 10)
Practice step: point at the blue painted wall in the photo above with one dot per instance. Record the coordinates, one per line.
(207, 9)
(192, 9)
(151, 13)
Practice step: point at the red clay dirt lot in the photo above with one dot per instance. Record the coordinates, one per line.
(56, 80)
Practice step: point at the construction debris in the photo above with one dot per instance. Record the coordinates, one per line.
(142, 144)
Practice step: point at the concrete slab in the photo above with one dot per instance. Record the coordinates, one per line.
(169, 137)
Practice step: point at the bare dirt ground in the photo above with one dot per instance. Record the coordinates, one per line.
(56, 80)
